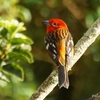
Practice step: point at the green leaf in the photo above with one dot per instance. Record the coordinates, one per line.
(3, 31)
(24, 13)
(20, 41)
(26, 47)
(21, 54)
(20, 46)
(12, 25)
(14, 69)
(19, 35)
(4, 77)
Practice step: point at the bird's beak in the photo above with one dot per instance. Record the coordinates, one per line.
(46, 22)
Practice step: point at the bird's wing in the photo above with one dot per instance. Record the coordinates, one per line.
(69, 49)
(51, 47)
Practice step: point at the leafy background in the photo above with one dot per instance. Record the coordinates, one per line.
(79, 16)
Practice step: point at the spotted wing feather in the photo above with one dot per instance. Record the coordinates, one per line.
(51, 47)
(69, 49)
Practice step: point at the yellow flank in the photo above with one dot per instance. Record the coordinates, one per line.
(61, 51)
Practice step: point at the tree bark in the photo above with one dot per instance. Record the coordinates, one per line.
(95, 97)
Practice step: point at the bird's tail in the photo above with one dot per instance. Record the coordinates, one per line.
(63, 77)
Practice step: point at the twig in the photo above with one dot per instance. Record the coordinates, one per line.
(95, 97)
(81, 46)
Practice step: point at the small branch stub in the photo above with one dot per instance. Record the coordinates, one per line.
(95, 97)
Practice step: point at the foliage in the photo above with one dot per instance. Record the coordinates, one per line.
(13, 49)
(10, 9)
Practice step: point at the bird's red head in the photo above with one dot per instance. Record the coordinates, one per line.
(55, 24)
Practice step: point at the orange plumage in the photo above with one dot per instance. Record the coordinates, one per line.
(59, 44)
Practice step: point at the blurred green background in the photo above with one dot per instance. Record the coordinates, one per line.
(79, 16)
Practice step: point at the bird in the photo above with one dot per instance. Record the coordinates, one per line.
(60, 47)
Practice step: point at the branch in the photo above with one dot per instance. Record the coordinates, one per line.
(95, 97)
(48, 85)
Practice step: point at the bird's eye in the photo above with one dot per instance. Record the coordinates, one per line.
(54, 24)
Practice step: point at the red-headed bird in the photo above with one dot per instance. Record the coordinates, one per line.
(59, 44)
